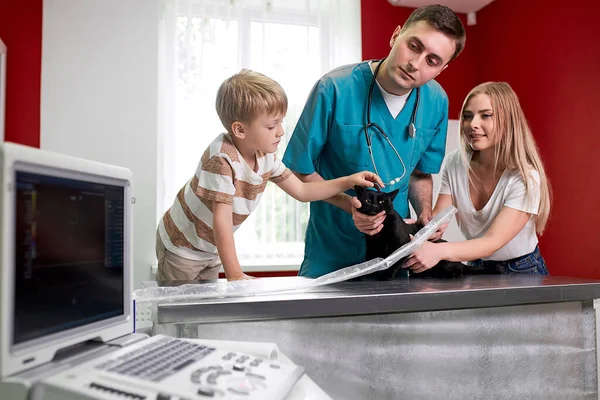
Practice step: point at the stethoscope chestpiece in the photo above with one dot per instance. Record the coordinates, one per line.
(412, 131)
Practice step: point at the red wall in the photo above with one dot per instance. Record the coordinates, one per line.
(457, 79)
(550, 55)
(21, 31)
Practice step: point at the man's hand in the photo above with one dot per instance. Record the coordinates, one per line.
(367, 224)
(427, 256)
(437, 235)
(425, 217)
(239, 277)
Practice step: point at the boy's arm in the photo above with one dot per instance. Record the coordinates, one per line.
(367, 224)
(340, 200)
(223, 231)
(322, 189)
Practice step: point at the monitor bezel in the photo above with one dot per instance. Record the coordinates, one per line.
(34, 352)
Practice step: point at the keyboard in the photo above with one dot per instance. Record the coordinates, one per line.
(165, 368)
(157, 360)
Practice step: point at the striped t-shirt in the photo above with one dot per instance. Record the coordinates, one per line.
(222, 176)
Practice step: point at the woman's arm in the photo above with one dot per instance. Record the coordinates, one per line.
(507, 224)
(442, 202)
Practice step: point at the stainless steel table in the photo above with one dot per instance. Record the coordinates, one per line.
(484, 337)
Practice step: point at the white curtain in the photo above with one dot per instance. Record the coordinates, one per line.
(205, 41)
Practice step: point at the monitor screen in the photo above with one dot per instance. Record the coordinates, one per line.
(69, 254)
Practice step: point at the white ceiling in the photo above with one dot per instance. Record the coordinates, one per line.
(459, 6)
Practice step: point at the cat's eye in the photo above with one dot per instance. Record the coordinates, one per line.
(381, 201)
(368, 201)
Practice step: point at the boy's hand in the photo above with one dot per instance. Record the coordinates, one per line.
(365, 179)
(239, 277)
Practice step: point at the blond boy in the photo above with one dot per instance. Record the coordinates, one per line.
(195, 236)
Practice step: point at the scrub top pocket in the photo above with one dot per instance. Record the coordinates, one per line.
(348, 144)
(422, 139)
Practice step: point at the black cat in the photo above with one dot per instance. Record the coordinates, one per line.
(395, 233)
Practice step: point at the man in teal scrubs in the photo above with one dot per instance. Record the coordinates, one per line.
(329, 139)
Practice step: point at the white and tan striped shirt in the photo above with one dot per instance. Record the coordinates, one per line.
(222, 176)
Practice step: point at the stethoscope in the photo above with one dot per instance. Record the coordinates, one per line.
(412, 130)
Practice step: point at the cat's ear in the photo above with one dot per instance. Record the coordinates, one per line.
(393, 194)
(359, 190)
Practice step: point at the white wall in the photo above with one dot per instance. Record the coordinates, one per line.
(100, 95)
(452, 233)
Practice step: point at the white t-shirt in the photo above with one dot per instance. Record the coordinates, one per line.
(394, 103)
(509, 192)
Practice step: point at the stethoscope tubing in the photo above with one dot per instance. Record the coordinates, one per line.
(411, 129)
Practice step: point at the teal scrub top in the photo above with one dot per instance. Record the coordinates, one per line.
(329, 139)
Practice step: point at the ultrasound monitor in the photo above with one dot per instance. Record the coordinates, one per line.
(66, 259)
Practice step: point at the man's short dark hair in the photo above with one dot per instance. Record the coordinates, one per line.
(443, 19)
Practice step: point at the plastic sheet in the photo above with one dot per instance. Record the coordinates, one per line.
(353, 271)
(223, 289)
(379, 264)
(273, 285)
(422, 236)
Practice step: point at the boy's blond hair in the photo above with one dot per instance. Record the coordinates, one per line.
(248, 94)
(516, 148)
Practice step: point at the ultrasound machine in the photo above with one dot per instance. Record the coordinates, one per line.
(66, 307)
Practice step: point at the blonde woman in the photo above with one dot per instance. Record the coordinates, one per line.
(498, 184)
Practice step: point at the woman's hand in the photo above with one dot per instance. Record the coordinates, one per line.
(427, 256)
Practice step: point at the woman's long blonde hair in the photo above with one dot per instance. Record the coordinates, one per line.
(516, 148)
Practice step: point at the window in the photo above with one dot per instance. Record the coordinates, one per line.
(204, 42)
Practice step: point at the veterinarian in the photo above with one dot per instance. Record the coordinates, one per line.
(386, 115)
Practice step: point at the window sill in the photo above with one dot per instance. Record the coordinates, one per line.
(259, 265)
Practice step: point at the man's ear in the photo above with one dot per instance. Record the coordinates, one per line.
(238, 130)
(393, 194)
(395, 35)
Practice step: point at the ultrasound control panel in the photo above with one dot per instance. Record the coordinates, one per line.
(247, 374)
(165, 368)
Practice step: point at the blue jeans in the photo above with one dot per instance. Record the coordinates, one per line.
(532, 263)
